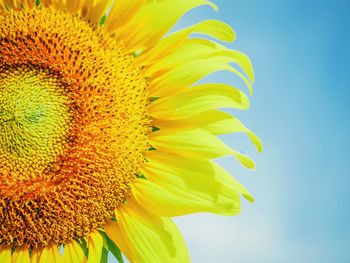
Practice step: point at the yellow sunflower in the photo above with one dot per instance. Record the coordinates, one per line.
(104, 133)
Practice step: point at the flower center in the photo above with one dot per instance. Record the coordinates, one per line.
(34, 121)
(73, 127)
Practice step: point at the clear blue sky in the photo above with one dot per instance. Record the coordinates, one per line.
(300, 109)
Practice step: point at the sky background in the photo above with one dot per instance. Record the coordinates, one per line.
(300, 110)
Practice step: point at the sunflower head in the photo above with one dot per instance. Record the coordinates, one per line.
(74, 126)
(104, 133)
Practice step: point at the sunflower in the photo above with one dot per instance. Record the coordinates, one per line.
(105, 133)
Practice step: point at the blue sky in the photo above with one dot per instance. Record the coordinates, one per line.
(300, 108)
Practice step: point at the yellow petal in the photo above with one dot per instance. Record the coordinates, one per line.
(199, 50)
(196, 143)
(192, 49)
(244, 159)
(176, 195)
(11, 4)
(95, 244)
(234, 56)
(20, 255)
(187, 74)
(214, 28)
(50, 254)
(5, 255)
(149, 238)
(225, 178)
(92, 10)
(121, 13)
(198, 99)
(226, 123)
(161, 167)
(214, 121)
(146, 27)
(25, 4)
(57, 4)
(73, 253)
(35, 255)
(74, 6)
(112, 229)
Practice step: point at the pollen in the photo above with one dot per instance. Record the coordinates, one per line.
(74, 127)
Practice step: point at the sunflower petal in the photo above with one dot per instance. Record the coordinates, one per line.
(50, 254)
(95, 244)
(110, 246)
(25, 4)
(5, 254)
(11, 4)
(145, 236)
(73, 253)
(244, 159)
(234, 56)
(20, 255)
(214, 28)
(96, 10)
(193, 143)
(190, 143)
(189, 73)
(92, 10)
(114, 233)
(121, 12)
(225, 178)
(162, 166)
(35, 255)
(146, 27)
(199, 99)
(192, 49)
(198, 51)
(177, 196)
(201, 48)
(58, 4)
(230, 124)
(214, 121)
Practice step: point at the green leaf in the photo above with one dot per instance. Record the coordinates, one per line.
(136, 53)
(115, 250)
(141, 176)
(109, 245)
(37, 2)
(152, 99)
(104, 256)
(83, 244)
(154, 129)
(102, 20)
